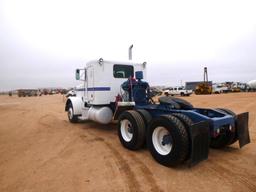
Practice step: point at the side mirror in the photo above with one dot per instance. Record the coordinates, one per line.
(77, 74)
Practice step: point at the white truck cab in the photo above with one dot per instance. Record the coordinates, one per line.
(101, 84)
(219, 88)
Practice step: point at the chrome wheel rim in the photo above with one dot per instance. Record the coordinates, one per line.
(70, 113)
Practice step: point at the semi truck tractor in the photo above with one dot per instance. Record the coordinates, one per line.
(173, 130)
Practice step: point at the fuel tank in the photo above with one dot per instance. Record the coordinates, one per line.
(101, 115)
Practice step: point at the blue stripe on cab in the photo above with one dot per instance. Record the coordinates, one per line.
(95, 89)
(81, 89)
(99, 89)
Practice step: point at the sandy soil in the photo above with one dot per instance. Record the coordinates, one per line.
(41, 151)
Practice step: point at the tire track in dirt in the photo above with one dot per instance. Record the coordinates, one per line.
(50, 120)
(147, 174)
(43, 122)
(59, 154)
(123, 165)
(241, 172)
(232, 177)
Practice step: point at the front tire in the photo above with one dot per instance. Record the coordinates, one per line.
(71, 117)
(168, 140)
(131, 130)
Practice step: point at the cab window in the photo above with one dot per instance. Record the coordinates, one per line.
(123, 71)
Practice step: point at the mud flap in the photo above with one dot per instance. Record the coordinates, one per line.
(200, 138)
(242, 129)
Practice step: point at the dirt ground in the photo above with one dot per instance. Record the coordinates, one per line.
(41, 151)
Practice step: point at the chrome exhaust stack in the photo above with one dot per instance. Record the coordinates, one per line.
(130, 52)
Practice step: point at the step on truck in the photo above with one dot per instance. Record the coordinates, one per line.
(173, 130)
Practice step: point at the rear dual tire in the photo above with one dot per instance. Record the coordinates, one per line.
(145, 115)
(167, 136)
(187, 122)
(131, 130)
(168, 140)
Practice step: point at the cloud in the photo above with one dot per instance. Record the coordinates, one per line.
(42, 42)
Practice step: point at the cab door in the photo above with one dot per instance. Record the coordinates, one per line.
(90, 84)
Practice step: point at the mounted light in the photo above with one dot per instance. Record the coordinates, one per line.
(100, 61)
(144, 64)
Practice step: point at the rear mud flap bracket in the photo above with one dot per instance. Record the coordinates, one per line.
(242, 129)
(200, 138)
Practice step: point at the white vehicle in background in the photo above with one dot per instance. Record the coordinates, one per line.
(252, 85)
(178, 91)
(218, 88)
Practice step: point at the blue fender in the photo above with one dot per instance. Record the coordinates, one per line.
(77, 104)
